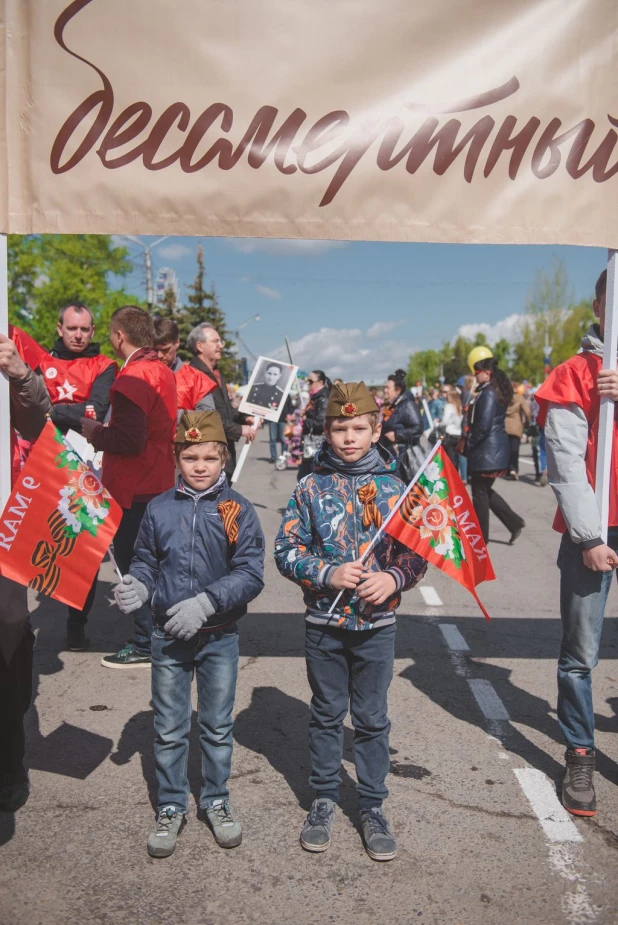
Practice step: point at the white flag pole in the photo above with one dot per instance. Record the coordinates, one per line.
(385, 523)
(5, 416)
(245, 450)
(606, 418)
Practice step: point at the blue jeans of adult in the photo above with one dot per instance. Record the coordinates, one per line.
(463, 467)
(349, 669)
(124, 541)
(213, 658)
(583, 594)
(275, 435)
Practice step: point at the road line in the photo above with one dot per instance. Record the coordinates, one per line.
(487, 699)
(430, 596)
(576, 903)
(453, 637)
(541, 794)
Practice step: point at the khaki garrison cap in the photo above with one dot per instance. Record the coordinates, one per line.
(200, 427)
(350, 399)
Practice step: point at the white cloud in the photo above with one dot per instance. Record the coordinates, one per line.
(284, 247)
(509, 329)
(174, 251)
(268, 292)
(348, 353)
(382, 327)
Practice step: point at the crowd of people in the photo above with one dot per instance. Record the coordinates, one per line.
(191, 549)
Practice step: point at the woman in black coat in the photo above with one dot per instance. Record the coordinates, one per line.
(314, 416)
(402, 427)
(488, 448)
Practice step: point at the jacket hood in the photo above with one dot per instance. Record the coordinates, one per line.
(378, 461)
(592, 342)
(63, 353)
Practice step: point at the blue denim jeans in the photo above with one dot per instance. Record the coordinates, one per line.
(583, 594)
(213, 658)
(275, 435)
(349, 669)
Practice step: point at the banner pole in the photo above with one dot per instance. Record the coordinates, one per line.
(385, 523)
(606, 417)
(5, 411)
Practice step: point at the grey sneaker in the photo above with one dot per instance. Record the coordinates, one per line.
(380, 842)
(578, 794)
(317, 830)
(227, 831)
(169, 826)
(127, 657)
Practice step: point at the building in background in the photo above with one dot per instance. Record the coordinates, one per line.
(166, 279)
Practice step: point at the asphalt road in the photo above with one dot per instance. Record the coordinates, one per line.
(476, 756)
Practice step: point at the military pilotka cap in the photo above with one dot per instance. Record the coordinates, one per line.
(200, 427)
(349, 399)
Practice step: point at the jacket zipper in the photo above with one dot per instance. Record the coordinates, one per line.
(193, 540)
(356, 551)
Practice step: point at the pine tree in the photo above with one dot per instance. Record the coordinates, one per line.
(202, 306)
(169, 307)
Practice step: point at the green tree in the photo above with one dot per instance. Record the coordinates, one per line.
(424, 365)
(169, 307)
(202, 306)
(47, 271)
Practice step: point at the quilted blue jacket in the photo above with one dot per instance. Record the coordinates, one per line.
(182, 549)
(323, 527)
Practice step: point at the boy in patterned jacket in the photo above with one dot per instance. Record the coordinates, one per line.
(332, 517)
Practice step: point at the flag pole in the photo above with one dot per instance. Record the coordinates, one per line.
(385, 523)
(608, 407)
(5, 414)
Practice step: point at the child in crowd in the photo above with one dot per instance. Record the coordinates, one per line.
(199, 560)
(332, 517)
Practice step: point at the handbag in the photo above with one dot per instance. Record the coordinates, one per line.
(461, 447)
(311, 444)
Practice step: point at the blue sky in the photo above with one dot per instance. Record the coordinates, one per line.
(359, 309)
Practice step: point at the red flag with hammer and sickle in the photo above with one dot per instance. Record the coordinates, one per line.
(58, 523)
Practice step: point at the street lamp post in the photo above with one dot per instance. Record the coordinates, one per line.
(147, 248)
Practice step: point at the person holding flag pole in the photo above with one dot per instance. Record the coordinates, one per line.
(332, 518)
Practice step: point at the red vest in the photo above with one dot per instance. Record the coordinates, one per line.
(191, 386)
(150, 384)
(575, 382)
(70, 381)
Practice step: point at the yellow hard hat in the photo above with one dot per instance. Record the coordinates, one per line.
(481, 352)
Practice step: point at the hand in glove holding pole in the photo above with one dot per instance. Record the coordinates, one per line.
(189, 616)
(130, 594)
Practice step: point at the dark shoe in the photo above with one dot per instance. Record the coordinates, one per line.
(380, 842)
(578, 794)
(516, 532)
(170, 824)
(14, 791)
(127, 657)
(317, 830)
(226, 829)
(77, 641)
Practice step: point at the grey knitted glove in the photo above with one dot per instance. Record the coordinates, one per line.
(130, 594)
(188, 616)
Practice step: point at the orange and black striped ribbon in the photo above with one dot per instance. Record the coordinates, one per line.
(229, 511)
(371, 515)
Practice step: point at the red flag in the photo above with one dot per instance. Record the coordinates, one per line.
(58, 523)
(437, 521)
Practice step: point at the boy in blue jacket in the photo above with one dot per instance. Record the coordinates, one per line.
(199, 560)
(330, 520)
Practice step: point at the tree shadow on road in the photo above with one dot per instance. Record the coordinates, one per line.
(276, 725)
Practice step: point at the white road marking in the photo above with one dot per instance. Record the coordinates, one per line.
(541, 794)
(487, 699)
(576, 903)
(430, 596)
(453, 638)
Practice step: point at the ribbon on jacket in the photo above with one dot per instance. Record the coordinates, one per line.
(229, 511)
(371, 515)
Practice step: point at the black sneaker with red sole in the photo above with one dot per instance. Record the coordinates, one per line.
(578, 795)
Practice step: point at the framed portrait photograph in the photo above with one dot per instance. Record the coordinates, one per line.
(268, 388)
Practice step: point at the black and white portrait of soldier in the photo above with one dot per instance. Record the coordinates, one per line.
(269, 387)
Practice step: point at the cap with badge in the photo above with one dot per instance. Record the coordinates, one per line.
(200, 427)
(349, 399)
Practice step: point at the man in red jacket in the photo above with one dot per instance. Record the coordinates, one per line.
(138, 459)
(77, 374)
(193, 388)
(569, 402)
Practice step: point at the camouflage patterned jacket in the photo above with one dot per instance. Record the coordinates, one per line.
(330, 519)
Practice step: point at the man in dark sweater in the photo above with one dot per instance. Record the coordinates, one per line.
(206, 346)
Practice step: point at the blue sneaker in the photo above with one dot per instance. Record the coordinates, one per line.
(317, 830)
